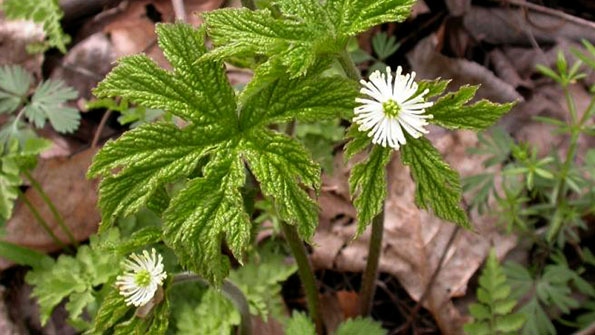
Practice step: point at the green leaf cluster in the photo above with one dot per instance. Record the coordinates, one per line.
(552, 290)
(295, 33)
(20, 146)
(75, 278)
(438, 187)
(221, 138)
(493, 313)
(16, 156)
(46, 103)
(215, 314)
(261, 280)
(46, 12)
(300, 324)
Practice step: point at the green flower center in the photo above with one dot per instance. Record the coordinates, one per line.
(391, 108)
(142, 278)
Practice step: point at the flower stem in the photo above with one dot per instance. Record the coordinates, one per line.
(231, 292)
(351, 71)
(53, 209)
(40, 220)
(368, 287)
(305, 272)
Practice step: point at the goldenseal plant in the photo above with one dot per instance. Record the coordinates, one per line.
(199, 172)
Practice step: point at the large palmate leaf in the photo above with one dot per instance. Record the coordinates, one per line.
(301, 33)
(277, 161)
(219, 133)
(367, 183)
(437, 186)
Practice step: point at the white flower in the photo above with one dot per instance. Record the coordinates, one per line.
(393, 107)
(143, 274)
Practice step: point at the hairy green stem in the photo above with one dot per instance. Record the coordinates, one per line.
(351, 71)
(231, 292)
(53, 209)
(368, 287)
(40, 220)
(305, 272)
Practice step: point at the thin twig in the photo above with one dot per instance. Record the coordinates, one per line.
(100, 128)
(41, 220)
(424, 295)
(57, 216)
(549, 11)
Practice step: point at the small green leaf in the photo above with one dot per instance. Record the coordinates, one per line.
(383, 45)
(76, 276)
(214, 314)
(493, 312)
(367, 185)
(261, 279)
(14, 85)
(300, 324)
(360, 326)
(437, 185)
(351, 17)
(451, 112)
(47, 103)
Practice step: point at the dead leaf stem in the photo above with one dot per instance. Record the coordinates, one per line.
(411, 318)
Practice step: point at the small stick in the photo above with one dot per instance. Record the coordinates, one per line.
(549, 11)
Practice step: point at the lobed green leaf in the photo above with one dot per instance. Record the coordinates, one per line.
(359, 326)
(207, 210)
(451, 112)
(437, 185)
(48, 103)
(14, 85)
(149, 156)
(196, 91)
(279, 163)
(284, 99)
(367, 185)
(351, 17)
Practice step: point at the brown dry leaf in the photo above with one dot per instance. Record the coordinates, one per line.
(86, 64)
(75, 197)
(415, 240)
(430, 64)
